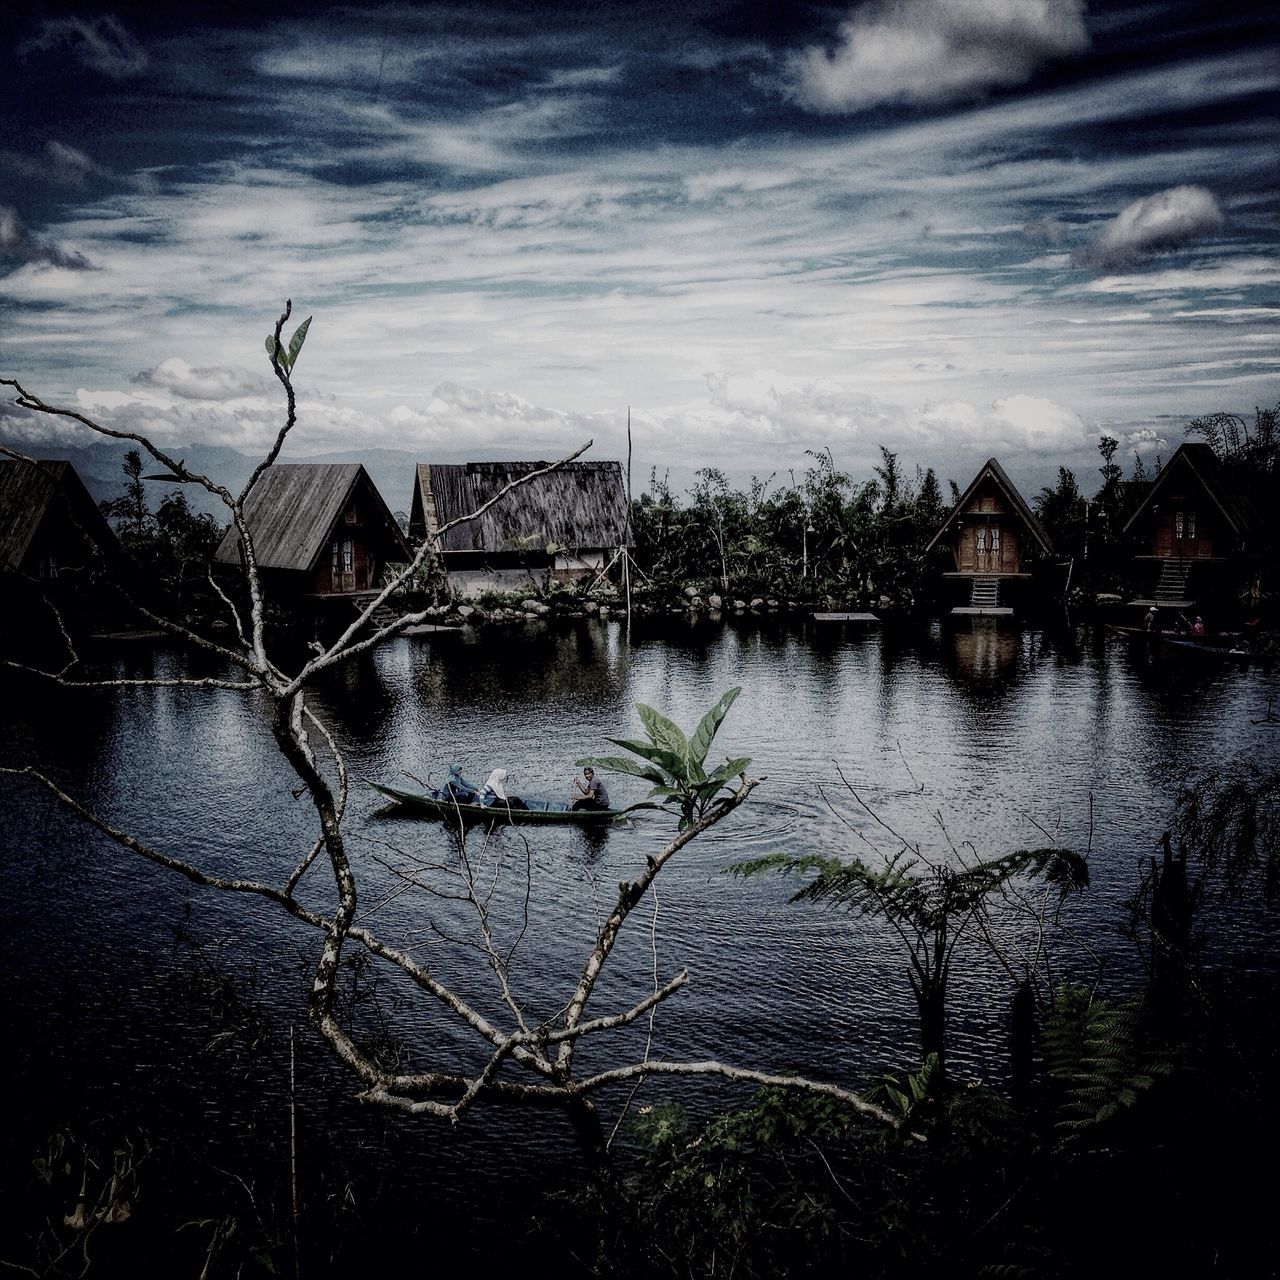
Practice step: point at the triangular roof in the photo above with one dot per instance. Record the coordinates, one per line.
(991, 469)
(1200, 459)
(31, 491)
(292, 511)
(579, 505)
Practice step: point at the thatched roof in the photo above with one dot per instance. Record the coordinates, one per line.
(294, 507)
(1200, 460)
(993, 471)
(580, 505)
(29, 493)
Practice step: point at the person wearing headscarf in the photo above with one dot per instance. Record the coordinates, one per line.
(494, 792)
(457, 788)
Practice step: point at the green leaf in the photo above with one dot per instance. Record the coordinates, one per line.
(620, 764)
(665, 733)
(705, 733)
(669, 762)
(295, 343)
(730, 769)
(274, 350)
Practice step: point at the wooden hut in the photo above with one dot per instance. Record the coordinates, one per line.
(320, 530)
(561, 527)
(993, 537)
(1193, 521)
(49, 525)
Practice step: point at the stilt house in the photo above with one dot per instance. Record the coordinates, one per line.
(49, 525)
(561, 527)
(994, 537)
(320, 531)
(1192, 523)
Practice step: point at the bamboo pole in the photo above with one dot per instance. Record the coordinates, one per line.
(626, 532)
(293, 1155)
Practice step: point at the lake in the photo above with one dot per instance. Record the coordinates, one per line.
(970, 741)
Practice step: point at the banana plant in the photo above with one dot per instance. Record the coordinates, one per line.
(284, 356)
(675, 764)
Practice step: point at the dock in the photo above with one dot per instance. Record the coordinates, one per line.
(845, 617)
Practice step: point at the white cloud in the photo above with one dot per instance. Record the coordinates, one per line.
(1165, 220)
(933, 51)
(212, 382)
(102, 44)
(771, 409)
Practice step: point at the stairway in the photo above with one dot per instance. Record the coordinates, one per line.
(383, 616)
(1171, 587)
(984, 593)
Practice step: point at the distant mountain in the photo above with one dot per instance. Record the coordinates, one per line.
(100, 466)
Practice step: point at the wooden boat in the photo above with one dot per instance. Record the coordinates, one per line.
(1222, 644)
(433, 803)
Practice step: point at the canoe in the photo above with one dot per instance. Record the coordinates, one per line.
(1218, 640)
(1223, 644)
(434, 804)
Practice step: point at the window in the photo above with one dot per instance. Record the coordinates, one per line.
(1178, 525)
(1191, 524)
(351, 516)
(348, 556)
(995, 540)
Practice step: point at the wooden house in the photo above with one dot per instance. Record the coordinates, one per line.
(1193, 521)
(49, 525)
(561, 527)
(994, 538)
(320, 531)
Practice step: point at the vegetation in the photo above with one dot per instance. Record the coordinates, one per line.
(822, 536)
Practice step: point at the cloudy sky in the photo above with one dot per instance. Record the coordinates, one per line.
(953, 227)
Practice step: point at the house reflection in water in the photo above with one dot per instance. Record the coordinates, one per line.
(984, 649)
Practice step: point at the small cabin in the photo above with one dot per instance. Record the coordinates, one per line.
(1193, 519)
(50, 527)
(993, 538)
(320, 530)
(565, 526)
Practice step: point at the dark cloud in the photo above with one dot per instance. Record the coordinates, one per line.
(58, 163)
(16, 242)
(1046, 230)
(102, 44)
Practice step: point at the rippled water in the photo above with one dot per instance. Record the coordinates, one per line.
(981, 738)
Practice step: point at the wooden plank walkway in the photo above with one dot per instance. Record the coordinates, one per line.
(845, 617)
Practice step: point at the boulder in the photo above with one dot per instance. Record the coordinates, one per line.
(757, 602)
(714, 602)
(465, 612)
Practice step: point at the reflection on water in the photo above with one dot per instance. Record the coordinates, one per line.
(984, 649)
(982, 735)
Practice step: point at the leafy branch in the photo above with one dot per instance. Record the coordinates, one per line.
(676, 765)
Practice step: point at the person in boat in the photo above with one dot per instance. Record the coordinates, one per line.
(589, 792)
(1149, 622)
(458, 789)
(1197, 627)
(494, 792)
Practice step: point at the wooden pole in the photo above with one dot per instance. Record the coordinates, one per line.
(293, 1155)
(626, 532)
